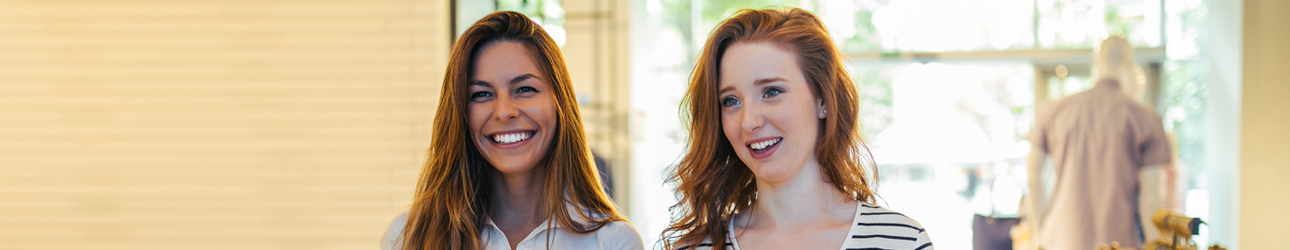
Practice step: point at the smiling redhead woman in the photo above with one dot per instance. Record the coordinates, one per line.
(508, 165)
(775, 158)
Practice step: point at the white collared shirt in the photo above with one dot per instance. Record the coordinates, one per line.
(615, 235)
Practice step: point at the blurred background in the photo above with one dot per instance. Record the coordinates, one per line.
(302, 124)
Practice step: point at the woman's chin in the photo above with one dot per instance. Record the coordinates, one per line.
(771, 173)
(513, 166)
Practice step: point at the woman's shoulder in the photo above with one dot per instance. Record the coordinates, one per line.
(705, 245)
(614, 234)
(883, 227)
(391, 240)
(875, 213)
(620, 233)
(619, 226)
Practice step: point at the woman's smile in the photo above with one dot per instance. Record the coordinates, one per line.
(511, 138)
(764, 147)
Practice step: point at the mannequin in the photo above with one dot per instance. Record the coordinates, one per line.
(1114, 60)
(1100, 141)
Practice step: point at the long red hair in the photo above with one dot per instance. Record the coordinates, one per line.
(453, 195)
(712, 182)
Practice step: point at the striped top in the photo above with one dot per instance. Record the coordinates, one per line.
(874, 228)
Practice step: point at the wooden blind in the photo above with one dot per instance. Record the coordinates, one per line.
(205, 124)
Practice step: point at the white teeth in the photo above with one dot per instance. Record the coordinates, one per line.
(510, 138)
(764, 144)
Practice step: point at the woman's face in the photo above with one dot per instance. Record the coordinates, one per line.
(512, 110)
(767, 110)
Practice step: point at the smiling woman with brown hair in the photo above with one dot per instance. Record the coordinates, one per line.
(509, 166)
(775, 158)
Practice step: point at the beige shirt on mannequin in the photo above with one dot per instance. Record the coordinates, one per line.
(1098, 140)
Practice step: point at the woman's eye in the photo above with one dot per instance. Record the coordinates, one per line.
(729, 102)
(526, 89)
(771, 92)
(481, 94)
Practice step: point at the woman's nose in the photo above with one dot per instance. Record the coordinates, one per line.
(504, 108)
(751, 118)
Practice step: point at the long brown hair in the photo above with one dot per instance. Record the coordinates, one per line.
(454, 194)
(712, 182)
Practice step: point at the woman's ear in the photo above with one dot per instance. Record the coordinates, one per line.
(820, 110)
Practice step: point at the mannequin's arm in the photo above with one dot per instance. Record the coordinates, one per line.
(1155, 192)
(1038, 198)
(1171, 187)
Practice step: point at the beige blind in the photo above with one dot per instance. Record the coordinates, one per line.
(204, 124)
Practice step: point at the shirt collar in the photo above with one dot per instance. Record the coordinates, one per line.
(577, 216)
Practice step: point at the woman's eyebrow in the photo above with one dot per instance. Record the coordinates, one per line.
(521, 78)
(513, 81)
(757, 82)
(768, 80)
(726, 89)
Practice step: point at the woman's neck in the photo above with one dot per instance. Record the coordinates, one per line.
(803, 201)
(518, 197)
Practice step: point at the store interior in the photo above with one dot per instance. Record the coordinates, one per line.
(293, 124)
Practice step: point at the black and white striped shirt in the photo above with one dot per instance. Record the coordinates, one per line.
(874, 228)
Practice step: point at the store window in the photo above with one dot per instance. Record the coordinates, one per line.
(547, 13)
